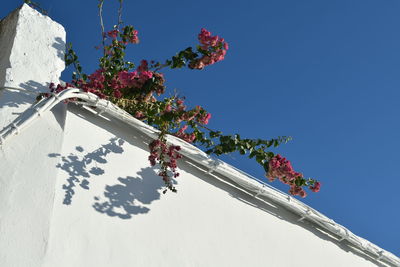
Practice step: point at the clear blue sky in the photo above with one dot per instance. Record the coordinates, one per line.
(324, 72)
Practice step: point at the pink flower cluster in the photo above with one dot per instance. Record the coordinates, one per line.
(130, 35)
(135, 79)
(159, 151)
(316, 187)
(185, 136)
(94, 85)
(215, 50)
(123, 82)
(281, 168)
(113, 34)
(198, 114)
(56, 89)
(207, 41)
(296, 190)
(204, 118)
(133, 37)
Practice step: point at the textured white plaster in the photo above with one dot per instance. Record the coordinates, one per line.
(36, 55)
(238, 178)
(119, 217)
(31, 51)
(31, 56)
(27, 191)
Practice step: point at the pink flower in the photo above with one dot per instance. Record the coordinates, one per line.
(226, 46)
(144, 66)
(180, 102)
(214, 40)
(144, 76)
(187, 137)
(113, 33)
(168, 108)
(204, 119)
(219, 55)
(206, 60)
(134, 39)
(282, 169)
(197, 64)
(214, 45)
(316, 187)
(297, 191)
(138, 114)
(279, 167)
(127, 79)
(183, 129)
(303, 194)
(117, 94)
(97, 76)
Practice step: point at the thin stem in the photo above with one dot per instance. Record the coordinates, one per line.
(76, 68)
(205, 127)
(120, 13)
(160, 67)
(101, 2)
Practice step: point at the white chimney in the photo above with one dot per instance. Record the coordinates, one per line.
(31, 56)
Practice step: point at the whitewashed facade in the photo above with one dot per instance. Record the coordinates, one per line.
(76, 188)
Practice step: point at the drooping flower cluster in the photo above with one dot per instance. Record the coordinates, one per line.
(280, 168)
(167, 157)
(213, 49)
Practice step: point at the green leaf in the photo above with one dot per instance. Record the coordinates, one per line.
(209, 151)
(252, 154)
(266, 166)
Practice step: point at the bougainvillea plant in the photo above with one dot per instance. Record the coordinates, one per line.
(138, 89)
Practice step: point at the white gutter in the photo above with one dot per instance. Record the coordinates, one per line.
(244, 180)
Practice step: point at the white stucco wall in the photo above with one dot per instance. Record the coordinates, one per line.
(27, 191)
(116, 214)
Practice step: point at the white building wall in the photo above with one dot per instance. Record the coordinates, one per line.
(116, 214)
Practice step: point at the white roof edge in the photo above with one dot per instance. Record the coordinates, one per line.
(241, 178)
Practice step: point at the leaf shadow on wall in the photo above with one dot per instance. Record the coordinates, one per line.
(82, 166)
(59, 46)
(24, 95)
(130, 195)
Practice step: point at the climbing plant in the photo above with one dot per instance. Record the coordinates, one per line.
(139, 90)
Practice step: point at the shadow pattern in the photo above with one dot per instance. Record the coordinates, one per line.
(130, 195)
(81, 166)
(14, 98)
(59, 45)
